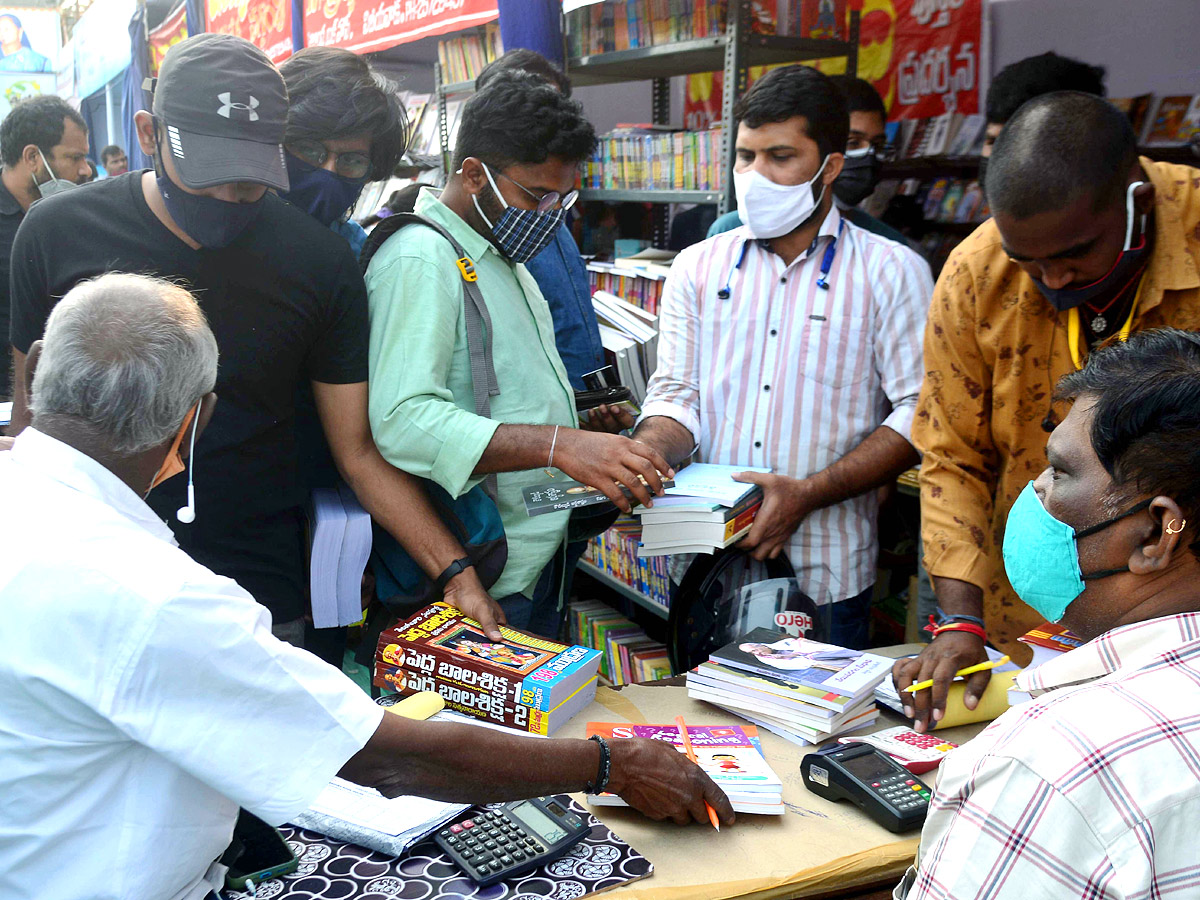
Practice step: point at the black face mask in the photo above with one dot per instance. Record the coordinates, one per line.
(1125, 269)
(859, 176)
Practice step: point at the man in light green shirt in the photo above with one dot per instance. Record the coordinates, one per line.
(519, 148)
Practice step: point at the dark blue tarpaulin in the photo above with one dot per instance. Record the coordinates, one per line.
(132, 96)
(533, 25)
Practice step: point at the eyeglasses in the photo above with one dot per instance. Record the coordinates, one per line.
(547, 201)
(349, 165)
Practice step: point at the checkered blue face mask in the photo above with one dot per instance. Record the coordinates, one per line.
(521, 233)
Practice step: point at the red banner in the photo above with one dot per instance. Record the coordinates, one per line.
(369, 25)
(169, 32)
(265, 23)
(921, 55)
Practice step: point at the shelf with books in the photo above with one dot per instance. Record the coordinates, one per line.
(636, 196)
(625, 590)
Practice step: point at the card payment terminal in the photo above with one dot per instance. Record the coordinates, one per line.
(885, 790)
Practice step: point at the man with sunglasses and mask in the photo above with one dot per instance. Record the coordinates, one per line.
(284, 297)
(1088, 242)
(515, 168)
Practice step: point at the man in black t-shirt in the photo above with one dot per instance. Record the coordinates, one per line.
(282, 294)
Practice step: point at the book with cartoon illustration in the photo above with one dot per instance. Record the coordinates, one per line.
(848, 673)
(731, 755)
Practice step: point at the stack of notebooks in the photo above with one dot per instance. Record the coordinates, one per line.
(522, 682)
(629, 656)
(706, 510)
(731, 756)
(339, 532)
(801, 690)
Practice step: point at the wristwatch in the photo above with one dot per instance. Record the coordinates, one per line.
(451, 570)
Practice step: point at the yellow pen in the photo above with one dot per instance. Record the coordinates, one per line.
(969, 670)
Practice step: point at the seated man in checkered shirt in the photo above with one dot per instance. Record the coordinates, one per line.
(1093, 789)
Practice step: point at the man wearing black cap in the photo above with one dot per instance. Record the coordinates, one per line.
(284, 298)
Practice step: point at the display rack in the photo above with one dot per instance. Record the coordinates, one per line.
(732, 53)
(630, 593)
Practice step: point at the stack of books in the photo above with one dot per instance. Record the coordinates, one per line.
(463, 58)
(705, 511)
(339, 545)
(801, 690)
(629, 656)
(615, 553)
(522, 682)
(731, 755)
(629, 335)
(630, 24)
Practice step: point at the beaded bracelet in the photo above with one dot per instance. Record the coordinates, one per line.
(604, 771)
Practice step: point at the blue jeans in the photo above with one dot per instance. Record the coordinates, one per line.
(850, 620)
(542, 614)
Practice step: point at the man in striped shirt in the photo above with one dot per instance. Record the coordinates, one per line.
(794, 343)
(1093, 789)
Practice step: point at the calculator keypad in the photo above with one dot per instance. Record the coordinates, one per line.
(489, 843)
(902, 791)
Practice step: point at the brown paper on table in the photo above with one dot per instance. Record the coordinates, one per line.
(815, 847)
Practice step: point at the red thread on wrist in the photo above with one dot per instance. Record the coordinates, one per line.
(968, 627)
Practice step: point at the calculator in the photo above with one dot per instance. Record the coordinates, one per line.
(916, 752)
(497, 842)
(866, 776)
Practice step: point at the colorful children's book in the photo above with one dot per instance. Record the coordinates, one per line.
(731, 755)
(1048, 641)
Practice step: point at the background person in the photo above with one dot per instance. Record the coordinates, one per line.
(43, 142)
(155, 701)
(1087, 242)
(114, 161)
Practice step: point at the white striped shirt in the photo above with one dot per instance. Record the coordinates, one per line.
(788, 375)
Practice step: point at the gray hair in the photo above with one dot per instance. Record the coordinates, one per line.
(126, 356)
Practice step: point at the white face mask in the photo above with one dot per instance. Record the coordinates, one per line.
(772, 210)
(55, 185)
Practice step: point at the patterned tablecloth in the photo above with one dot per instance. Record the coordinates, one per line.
(332, 870)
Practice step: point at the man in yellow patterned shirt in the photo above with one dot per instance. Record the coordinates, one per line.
(1088, 242)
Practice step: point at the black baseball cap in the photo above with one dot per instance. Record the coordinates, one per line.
(224, 107)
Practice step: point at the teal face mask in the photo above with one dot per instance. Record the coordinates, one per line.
(1041, 558)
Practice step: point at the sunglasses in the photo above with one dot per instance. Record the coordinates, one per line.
(353, 165)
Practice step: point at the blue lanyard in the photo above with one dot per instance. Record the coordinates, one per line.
(822, 279)
(827, 259)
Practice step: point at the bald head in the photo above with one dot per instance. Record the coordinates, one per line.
(124, 357)
(1057, 148)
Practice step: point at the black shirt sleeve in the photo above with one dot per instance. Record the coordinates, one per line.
(339, 353)
(29, 285)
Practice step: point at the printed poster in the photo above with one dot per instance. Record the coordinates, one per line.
(265, 23)
(369, 25)
(169, 32)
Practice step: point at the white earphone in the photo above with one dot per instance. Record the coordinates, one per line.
(187, 514)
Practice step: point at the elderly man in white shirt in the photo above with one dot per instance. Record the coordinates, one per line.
(1093, 789)
(794, 343)
(145, 698)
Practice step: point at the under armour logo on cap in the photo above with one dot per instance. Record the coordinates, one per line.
(228, 106)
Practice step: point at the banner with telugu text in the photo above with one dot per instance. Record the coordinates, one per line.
(265, 23)
(371, 25)
(923, 56)
(166, 35)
